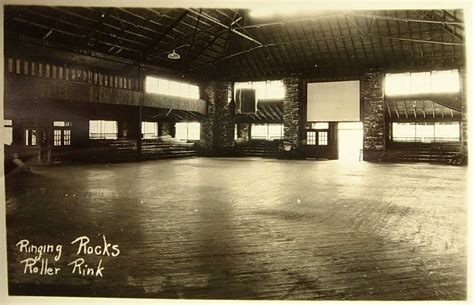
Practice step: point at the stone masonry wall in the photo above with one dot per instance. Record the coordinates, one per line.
(292, 111)
(217, 130)
(374, 115)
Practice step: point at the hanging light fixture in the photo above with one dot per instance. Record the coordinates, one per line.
(174, 55)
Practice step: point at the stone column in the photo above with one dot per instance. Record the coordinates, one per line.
(217, 130)
(374, 116)
(292, 113)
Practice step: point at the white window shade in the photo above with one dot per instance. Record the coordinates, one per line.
(333, 101)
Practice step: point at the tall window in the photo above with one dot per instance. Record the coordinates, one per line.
(423, 82)
(322, 138)
(267, 131)
(426, 132)
(265, 89)
(62, 133)
(150, 130)
(169, 87)
(311, 138)
(317, 133)
(188, 131)
(99, 129)
(30, 137)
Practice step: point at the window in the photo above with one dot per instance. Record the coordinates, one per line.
(322, 138)
(150, 130)
(265, 89)
(311, 137)
(62, 133)
(62, 124)
(267, 131)
(188, 131)
(67, 137)
(99, 129)
(7, 132)
(426, 132)
(10, 65)
(317, 133)
(422, 82)
(320, 125)
(30, 137)
(259, 131)
(173, 88)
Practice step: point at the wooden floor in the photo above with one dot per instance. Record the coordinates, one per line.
(246, 229)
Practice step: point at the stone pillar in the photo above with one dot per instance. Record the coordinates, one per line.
(292, 113)
(374, 116)
(217, 130)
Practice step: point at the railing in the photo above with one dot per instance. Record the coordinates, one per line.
(17, 66)
(27, 79)
(426, 139)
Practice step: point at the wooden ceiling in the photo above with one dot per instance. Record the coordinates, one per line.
(230, 44)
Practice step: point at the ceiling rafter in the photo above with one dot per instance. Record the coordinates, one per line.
(354, 49)
(406, 20)
(218, 22)
(162, 35)
(336, 42)
(392, 47)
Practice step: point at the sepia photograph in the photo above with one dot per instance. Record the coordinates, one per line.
(244, 151)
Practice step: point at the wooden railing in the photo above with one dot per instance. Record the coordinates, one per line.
(15, 66)
(25, 80)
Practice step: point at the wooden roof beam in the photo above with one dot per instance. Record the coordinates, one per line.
(158, 38)
(396, 109)
(381, 17)
(218, 22)
(388, 108)
(282, 23)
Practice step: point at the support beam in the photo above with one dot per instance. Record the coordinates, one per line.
(158, 38)
(218, 22)
(283, 23)
(375, 17)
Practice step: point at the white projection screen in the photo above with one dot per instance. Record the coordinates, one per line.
(333, 102)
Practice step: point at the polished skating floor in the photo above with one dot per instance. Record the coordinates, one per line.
(243, 229)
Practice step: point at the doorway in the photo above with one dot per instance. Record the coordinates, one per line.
(351, 137)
